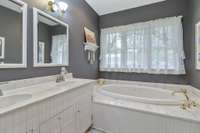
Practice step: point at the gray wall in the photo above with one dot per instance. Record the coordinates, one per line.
(193, 18)
(78, 15)
(57, 30)
(12, 32)
(146, 13)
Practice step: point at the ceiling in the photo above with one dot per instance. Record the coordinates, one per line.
(103, 7)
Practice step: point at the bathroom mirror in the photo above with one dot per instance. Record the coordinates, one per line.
(51, 46)
(13, 32)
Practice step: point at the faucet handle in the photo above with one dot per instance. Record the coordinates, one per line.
(194, 104)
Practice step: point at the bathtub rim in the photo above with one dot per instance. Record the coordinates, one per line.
(166, 102)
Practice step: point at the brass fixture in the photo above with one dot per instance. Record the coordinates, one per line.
(50, 6)
(57, 6)
(101, 81)
(188, 103)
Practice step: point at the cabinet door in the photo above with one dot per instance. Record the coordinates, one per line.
(6, 123)
(68, 120)
(64, 122)
(13, 122)
(50, 126)
(19, 121)
(84, 113)
(33, 120)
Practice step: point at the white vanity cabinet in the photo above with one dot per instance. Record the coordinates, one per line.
(84, 113)
(68, 112)
(14, 122)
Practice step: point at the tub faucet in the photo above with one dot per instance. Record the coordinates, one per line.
(188, 103)
(101, 81)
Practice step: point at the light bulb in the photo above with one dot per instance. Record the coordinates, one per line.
(55, 8)
(63, 6)
(51, 6)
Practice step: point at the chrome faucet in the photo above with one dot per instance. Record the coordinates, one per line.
(61, 76)
(188, 103)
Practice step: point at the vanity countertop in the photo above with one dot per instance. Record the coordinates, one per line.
(42, 91)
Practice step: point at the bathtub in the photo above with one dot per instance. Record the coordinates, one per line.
(141, 94)
(131, 107)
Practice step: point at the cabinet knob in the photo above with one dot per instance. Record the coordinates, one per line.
(78, 111)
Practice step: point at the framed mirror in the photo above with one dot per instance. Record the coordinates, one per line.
(13, 34)
(51, 44)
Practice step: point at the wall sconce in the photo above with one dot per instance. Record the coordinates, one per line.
(59, 6)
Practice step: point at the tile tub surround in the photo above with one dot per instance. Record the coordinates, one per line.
(192, 115)
(40, 89)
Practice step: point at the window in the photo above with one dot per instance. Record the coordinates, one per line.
(59, 51)
(154, 47)
(41, 52)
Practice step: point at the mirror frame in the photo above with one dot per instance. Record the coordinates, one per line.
(197, 48)
(2, 45)
(36, 12)
(24, 8)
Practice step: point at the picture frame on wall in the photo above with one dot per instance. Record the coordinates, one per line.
(197, 45)
(90, 36)
(2, 47)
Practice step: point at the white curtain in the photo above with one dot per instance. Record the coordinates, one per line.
(154, 47)
(59, 50)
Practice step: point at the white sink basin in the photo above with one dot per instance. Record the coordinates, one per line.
(6, 101)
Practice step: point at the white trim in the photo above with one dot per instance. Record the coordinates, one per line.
(2, 48)
(36, 12)
(24, 8)
(48, 65)
(12, 65)
(197, 48)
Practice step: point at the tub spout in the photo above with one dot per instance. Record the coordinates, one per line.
(101, 81)
(184, 91)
